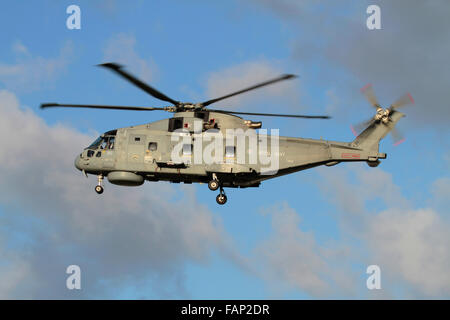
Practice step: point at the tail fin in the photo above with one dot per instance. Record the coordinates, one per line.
(370, 138)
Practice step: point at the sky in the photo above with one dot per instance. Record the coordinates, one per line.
(309, 235)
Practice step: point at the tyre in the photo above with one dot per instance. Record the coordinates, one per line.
(213, 185)
(99, 189)
(221, 199)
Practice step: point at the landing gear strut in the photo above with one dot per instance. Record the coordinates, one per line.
(221, 197)
(99, 186)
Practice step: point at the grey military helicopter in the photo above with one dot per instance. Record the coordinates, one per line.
(129, 156)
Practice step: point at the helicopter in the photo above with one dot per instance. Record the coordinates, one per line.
(153, 151)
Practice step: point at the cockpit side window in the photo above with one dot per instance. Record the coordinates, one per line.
(110, 142)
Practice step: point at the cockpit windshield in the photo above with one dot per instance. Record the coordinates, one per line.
(103, 142)
(94, 145)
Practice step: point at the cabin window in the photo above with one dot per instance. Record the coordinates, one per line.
(152, 146)
(187, 149)
(230, 151)
(137, 139)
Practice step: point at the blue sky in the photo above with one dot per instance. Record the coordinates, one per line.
(307, 235)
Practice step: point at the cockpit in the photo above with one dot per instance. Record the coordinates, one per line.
(105, 142)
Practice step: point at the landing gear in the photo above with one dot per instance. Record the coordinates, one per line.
(99, 189)
(221, 197)
(99, 186)
(213, 184)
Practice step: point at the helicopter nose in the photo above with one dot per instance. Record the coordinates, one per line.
(78, 163)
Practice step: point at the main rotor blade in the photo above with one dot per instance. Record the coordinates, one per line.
(367, 90)
(93, 106)
(281, 78)
(152, 91)
(403, 101)
(271, 114)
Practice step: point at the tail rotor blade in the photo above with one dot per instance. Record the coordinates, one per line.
(404, 100)
(397, 137)
(368, 92)
(360, 127)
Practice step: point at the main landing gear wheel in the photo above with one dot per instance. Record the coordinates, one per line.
(213, 185)
(221, 198)
(99, 189)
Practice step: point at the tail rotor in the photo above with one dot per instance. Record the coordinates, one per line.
(383, 115)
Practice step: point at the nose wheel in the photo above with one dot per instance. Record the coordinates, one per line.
(221, 197)
(99, 189)
(213, 184)
(99, 186)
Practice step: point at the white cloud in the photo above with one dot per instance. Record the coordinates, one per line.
(409, 244)
(441, 188)
(12, 270)
(121, 48)
(412, 245)
(30, 72)
(292, 259)
(247, 74)
(19, 48)
(127, 236)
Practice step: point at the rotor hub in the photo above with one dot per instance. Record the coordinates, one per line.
(382, 115)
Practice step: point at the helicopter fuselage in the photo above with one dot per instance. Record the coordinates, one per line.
(194, 148)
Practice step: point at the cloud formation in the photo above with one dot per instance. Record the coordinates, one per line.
(292, 259)
(247, 74)
(52, 218)
(407, 54)
(121, 48)
(30, 72)
(409, 243)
